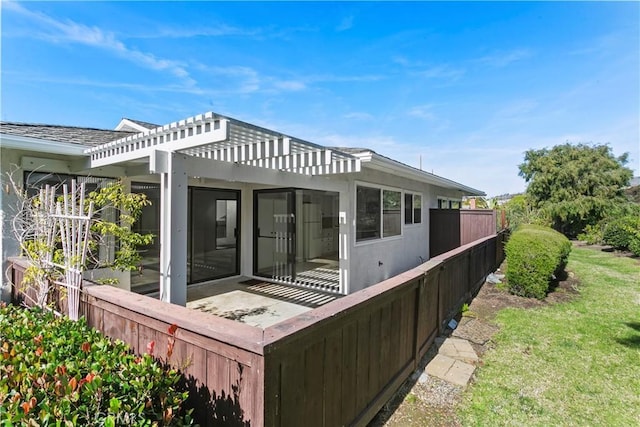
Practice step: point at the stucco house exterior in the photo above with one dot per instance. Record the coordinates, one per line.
(233, 199)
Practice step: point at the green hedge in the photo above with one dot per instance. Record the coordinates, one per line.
(534, 255)
(54, 371)
(621, 232)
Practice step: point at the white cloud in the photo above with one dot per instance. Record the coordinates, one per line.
(213, 30)
(401, 60)
(331, 78)
(345, 24)
(289, 85)
(422, 112)
(82, 81)
(429, 71)
(247, 80)
(436, 124)
(444, 71)
(68, 31)
(502, 59)
(602, 45)
(358, 115)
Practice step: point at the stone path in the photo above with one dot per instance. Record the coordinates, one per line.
(455, 362)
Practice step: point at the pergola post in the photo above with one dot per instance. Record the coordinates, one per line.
(173, 228)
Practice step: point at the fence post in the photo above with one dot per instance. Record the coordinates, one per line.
(417, 317)
(441, 273)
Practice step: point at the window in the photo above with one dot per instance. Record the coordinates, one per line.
(412, 208)
(36, 180)
(391, 213)
(367, 213)
(449, 203)
(378, 213)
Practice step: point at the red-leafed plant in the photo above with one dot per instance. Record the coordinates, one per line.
(56, 370)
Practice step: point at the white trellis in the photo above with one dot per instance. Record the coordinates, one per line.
(74, 225)
(44, 233)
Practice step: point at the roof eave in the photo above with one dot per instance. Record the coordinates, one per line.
(376, 161)
(26, 143)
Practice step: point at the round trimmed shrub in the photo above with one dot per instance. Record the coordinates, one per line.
(634, 244)
(619, 232)
(535, 254)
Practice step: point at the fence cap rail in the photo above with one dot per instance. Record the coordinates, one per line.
(334, 310)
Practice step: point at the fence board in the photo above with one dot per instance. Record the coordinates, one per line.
(363, 360)
(334, 371)
(349, 379)
(314, 383)
(451, 228)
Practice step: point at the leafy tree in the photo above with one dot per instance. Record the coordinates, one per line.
(575, 185)
(519, 211)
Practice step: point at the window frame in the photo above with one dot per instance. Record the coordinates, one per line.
(412, 222)
(449, 202)
(381, 237)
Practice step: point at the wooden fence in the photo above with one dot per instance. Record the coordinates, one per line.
(450, 228)
(335, 365)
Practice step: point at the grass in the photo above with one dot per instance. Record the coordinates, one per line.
(576, 363)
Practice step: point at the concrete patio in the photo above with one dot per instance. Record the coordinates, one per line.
(254, 302)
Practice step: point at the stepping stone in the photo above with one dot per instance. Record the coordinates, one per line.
(439, 366)
(460, 373)
(475, 331)
(458, 349)
(450, 370)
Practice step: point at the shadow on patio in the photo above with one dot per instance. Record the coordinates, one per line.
(255, 302)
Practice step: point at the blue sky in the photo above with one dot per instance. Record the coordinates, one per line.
(467, 87)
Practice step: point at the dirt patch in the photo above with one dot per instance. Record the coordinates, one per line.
(424, 400)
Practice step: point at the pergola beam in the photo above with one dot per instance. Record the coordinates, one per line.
(215, 137)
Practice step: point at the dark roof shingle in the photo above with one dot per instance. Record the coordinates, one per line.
(68, 134)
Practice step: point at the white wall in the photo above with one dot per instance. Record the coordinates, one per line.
(376, 260)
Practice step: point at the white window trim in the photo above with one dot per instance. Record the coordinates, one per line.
(355, 213)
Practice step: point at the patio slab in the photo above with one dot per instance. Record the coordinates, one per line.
(255, 303)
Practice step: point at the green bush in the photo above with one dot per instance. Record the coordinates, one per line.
(620, 231)
(634, 245)
(592, 234)
(534, 255)
(54, 371)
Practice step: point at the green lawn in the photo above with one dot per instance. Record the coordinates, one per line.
(575, 363)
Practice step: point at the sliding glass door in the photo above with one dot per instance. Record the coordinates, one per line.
(275, 234)
(296, 235)
(212, 239)
(213, 234)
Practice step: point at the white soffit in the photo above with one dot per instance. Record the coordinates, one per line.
(221, 138)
